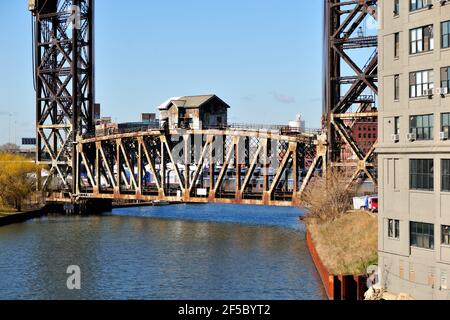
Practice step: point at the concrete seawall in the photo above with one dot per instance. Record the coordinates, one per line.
(21, 217)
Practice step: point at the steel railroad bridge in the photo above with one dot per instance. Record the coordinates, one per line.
(196, 166)
(218, 165)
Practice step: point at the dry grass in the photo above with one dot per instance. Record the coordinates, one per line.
(348, 244)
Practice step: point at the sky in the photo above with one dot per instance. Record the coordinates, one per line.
(263, 57)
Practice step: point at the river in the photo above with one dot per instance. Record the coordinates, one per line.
(222, 252)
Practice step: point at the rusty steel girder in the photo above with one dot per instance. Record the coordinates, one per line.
(350, 85)
(64, 79)
(196, 166)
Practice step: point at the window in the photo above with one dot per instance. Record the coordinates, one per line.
(444, 280)
(421, 174)
(397, 125)
(445, 173)
(445, 123)
(393, 229)
(420, 81)
(416, 5)
(422, 127)
(445, 235)
(396, 7)
(397, 87)
(421, 39)
(396, 45)
(445, 78)
(445, 32)
(422, 235)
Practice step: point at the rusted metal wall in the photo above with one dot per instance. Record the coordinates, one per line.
(327, 279)
(337, 287)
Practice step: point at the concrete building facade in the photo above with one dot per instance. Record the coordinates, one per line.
(414, 150)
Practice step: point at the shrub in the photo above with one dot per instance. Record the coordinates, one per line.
(17, 179)
(327, 198)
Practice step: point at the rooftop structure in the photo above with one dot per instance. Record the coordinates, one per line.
(194, 112)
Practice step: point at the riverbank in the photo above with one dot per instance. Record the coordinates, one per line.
(19, 217)
(342, 250)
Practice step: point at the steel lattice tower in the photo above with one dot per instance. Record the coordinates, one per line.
(351, 82)
(64, 76)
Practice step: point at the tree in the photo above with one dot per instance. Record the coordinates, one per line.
(327, 198)
(17, 179)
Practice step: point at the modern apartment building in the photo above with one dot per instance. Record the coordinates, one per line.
(414, 149)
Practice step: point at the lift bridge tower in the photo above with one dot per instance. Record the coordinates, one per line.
(63, 39)
(351, 86)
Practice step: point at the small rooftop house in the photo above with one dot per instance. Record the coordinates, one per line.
(194, 112)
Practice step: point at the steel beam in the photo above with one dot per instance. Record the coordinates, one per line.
(64, 75)
(346, 95)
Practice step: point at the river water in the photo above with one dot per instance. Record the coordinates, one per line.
(173, 252)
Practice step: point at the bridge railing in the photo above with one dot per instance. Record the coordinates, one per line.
(282, 129)
(113, 131)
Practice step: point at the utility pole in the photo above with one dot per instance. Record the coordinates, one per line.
(9, 127)
(15, 132)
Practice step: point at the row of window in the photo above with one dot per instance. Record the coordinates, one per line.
(421, 174)
(421, 39)
(370, 136)
(421, 83)
(421, 234)
(422, 126)
(414, 5)
(371, 128)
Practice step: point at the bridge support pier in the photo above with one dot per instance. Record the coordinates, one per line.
(296, 199)
(266, 198)
(86, 207)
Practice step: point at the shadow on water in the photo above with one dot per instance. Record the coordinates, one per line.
(172, 252)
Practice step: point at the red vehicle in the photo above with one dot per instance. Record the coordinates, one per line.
(373, 204)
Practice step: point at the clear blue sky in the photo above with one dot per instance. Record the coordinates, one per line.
(263, 57)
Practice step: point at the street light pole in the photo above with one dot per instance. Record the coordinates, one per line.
(15, 132)
(9, 128)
